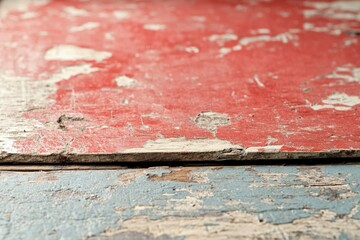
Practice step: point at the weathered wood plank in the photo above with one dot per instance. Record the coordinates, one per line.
(306, 202)
(98, 81)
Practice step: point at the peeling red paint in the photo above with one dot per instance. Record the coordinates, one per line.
(266, 85)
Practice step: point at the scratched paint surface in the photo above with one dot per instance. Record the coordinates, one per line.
(312, 202)
(125, 77)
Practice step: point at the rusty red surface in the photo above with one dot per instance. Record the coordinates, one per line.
(114, 75)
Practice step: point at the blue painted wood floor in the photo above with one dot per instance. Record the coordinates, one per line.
(263, 202)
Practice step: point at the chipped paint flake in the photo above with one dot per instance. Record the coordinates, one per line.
(263, 31)
(76, 12)
(239, 225)
(18, 5)
(327, 29)
(265, 149)
(346, 10)
(342, 99)
(283, 37)
(345, 73)
(13, 102)
(351, 5)
(192, 49)
(184, 145)
(85, 26)
(121, 15)
(212, 120)
(317, 107)
(223, 38)
(337, 101)
(29, 15)
(71, 71)
(258, 82)
(154, 27)
(74, 53)
(224, 51)
(124, 81)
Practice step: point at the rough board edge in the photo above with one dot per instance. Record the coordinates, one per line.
(145, 157)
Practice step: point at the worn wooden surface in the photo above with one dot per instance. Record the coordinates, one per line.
(259, 202)
(87, 81)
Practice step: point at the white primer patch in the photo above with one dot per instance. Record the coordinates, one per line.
(237, 48)
(258, 82)
(211, 121)
(75, 11)
(192, 50)
(20, 94)
(154, 27)
(74, 53)
(29, 15)
(224, 51)
(346, 16)
(317, 107)
(333, 101)
(329, 29)
(345, 73)
(260, 31)
(309, 13)
(124, 81)
(16, 95)
(71, 71)
(7, 6)
(238, 225)
(109, 36)
(222, 38)
(121, 15)
(282, 37)
(265, 149)
(198, 18)
(342, 99)
(184, 145)
(351, 6)
(347, 10)
(85, 26)
(247, 40)
(356, 74)
(263, 31)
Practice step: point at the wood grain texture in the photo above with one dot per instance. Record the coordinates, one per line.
(124, 81)
(259, 202)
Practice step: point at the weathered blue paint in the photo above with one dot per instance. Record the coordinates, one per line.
(80, 204)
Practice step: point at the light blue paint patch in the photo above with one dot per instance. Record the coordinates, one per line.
(287, 215)
(266, 197)
(79, 204)
(345, 236)
(277, 169)
(351, 173)
(55, 207)
(254, 195)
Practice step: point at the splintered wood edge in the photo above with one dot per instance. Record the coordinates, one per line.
(216, 156)
(178, 150)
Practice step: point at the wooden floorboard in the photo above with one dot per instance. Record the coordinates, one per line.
(125, 81)
(248, 202)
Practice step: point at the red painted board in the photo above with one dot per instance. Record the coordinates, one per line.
(85, 81)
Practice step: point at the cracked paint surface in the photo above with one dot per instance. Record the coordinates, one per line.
(259, 202)
(258, 75)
